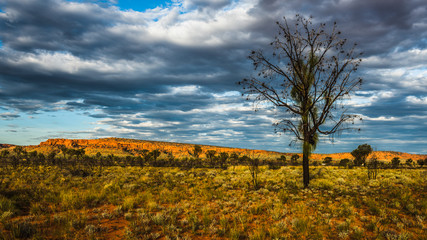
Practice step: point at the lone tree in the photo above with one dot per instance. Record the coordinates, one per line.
(361, 153)
(308, 76)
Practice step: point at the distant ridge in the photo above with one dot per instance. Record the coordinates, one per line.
(6, 145)
(124, 146)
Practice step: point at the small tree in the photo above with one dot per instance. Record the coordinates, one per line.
(234, 159)
(373, 165)
(41, 159)
(307, 77)
(153, 156)
(409, 162)
(223, 157)
(344, 162)
(32, 156)
(273, 164)
(254, 169)
(361, 153)
(145, 158)
(421, 162)
(395, 162)
(327, 161)
(282, 160)
(197, 150)
(51, 158)
(210, 155)
(294, 159)
(19, 154)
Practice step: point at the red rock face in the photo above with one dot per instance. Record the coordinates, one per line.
(131, 145)
(128, 146)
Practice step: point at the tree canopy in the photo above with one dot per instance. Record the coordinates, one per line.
(306, 79)
(361, 153)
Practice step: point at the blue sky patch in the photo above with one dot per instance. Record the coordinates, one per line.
(141, 5)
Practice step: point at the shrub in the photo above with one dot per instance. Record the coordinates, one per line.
(71, 200)
(6, 204)
(344, 162)
(23, 229)
(273, 165)
(129, 203)
(327, 161)
(395, 162)
(294, 159)
(323, 184)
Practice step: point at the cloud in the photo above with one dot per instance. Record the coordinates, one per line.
(368, 98)
(411, 58)
(417, 100)
(170, 73)
(9, 116)
(201, 4)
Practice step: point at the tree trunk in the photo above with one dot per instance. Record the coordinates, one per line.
(305, 164)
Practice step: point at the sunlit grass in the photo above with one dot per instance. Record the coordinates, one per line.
(170, 203)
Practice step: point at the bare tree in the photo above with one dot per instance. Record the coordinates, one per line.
(308, 76)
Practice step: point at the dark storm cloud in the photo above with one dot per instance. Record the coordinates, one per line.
(382, 25)
(165, 73)
(51, 25)
(379, 26)
(86, 31)
(200, 4)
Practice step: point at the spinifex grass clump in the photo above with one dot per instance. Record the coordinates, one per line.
(171, 203)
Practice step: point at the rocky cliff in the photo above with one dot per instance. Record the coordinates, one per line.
(123, 146)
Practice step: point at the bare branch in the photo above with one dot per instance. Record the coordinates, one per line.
(309, 74)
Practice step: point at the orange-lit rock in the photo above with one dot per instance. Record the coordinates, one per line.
(122, 146)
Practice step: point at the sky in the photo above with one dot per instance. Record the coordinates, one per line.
(167, 71)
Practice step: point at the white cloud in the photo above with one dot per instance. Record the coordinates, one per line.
(381, 118)
(196, 28)
(409, 59)
(185, 90)
(368, 98)
(417, 100)
(46, 61)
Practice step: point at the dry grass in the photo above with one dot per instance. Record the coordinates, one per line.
(169, 203)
